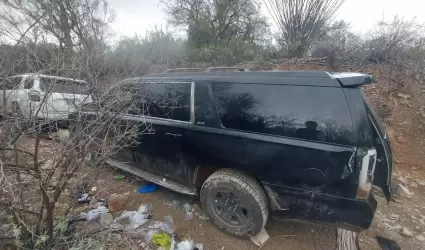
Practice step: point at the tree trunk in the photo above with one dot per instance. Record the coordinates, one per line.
(347, 240)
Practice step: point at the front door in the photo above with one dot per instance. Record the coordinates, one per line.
(165, 107)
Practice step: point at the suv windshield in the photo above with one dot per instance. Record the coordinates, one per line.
(63, 86)
(373, 114)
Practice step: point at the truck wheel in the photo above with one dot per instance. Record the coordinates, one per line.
(235, 202)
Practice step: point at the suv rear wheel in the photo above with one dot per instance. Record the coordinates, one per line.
(235, 201)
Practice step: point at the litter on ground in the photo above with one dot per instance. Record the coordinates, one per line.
(188, 211)
(147, 188)
(94, 214)
(136, 218)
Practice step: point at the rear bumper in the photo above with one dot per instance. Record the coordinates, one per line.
(351, 214)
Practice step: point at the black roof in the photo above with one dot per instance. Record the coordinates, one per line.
(300, 78)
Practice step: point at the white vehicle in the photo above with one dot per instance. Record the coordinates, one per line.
(43, 97)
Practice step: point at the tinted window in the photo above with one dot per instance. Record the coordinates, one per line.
(63, 86)
(161, 100)
(204, 106)
(11, 83)
(310, 113)
(28, 83)
(168, 100)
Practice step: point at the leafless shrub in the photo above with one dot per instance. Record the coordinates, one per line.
(392, 45)
(339, 46)
(302, 23)
(32, 181)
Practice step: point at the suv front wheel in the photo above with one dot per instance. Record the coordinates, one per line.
(235, 202)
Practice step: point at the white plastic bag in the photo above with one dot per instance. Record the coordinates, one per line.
(95, 213)
(136, 218)
(185, 245)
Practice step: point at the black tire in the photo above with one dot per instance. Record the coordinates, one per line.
(248, 205)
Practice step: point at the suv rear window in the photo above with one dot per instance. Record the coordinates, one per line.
(309, 113)
(11, 83)
(63, 86)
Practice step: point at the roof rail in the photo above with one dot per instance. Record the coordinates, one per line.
(183, 70)
(211, 69)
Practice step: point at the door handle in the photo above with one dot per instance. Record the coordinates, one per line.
(175, 135)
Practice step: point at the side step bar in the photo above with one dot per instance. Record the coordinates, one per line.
(152, 177)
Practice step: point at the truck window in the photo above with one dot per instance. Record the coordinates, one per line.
(28, 83)
(308, 113)
(205, 114)
(63, 86)
(168, 101)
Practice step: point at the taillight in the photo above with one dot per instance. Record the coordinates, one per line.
(366, 162)
(34, 97)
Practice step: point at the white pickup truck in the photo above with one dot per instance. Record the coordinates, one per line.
(43, 97)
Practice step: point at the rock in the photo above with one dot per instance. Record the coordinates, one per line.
(60, 135)
(26, 177)
(116, 227)
(422, 183)
(85, 228)
(420, 237)
(396, 227)
(116, 202)
(402, 180)
(386, 220)
(422, 217)
(47, 165)
(405, 190)
(403, 96)
(106, 219)
(395, 216)
(401, 139)
(406, 232)
(413, 185)
(143, 244)
(6, 230)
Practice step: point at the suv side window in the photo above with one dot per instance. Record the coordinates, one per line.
(167, 100)
(309, 113)
(205, 114)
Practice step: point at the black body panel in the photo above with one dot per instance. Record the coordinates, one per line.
(316, 207)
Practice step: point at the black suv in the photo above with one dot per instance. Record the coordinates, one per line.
(302, 145)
